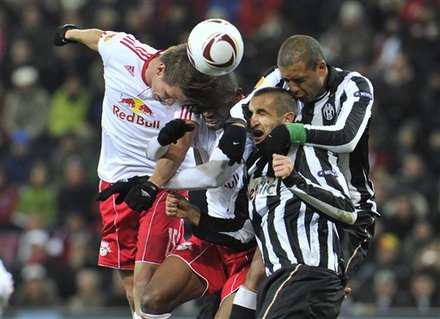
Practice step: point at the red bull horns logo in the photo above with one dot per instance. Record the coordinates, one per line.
(137, 106)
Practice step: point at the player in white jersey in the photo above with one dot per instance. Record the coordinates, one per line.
(204, 265)
(144, 89)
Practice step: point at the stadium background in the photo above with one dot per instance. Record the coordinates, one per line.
(50, 128)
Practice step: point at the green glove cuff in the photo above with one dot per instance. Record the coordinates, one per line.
(297, 132)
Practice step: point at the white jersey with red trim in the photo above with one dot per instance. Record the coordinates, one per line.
(130, 115)
(221, 200)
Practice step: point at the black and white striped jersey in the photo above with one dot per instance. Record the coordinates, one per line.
(337, 121)
(290, 217)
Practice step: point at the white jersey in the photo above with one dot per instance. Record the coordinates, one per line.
(130, 115)
(221, 200)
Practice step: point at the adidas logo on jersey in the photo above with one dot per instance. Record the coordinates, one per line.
(130, 69)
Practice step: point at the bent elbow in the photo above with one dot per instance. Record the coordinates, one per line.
(349, 217)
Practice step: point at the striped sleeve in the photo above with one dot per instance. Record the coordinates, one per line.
(323, 191)
(326, 199)
(356, 100)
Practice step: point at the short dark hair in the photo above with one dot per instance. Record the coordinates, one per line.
(225, 93)
(195, 86)
(284, 101)
(300, 48)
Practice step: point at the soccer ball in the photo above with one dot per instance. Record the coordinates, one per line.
(215, 47)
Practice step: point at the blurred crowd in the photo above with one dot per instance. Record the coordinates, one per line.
(50, 134)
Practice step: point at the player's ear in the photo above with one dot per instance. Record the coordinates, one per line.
(289, 117)
(160, 68)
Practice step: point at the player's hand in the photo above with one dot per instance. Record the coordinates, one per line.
(173, 203)
(178, 206)
(233, 143)
(142, 196)
(121, 187)
(173, 130)
(282, 166)
(60, 34)
(276, 142)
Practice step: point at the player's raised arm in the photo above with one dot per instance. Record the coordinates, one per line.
(70, 33)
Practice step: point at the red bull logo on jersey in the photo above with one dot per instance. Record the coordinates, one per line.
(132, 117)
(136, 105)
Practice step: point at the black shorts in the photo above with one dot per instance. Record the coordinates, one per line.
(300, 291)
(355, 241)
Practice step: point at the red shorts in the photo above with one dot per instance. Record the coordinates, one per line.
(222, 268)
(129, 236)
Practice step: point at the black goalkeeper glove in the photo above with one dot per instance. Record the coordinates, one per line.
(233, 143)
(60, 34)
(276, 142)
(121, 187)
(142, 196)
(173, 130)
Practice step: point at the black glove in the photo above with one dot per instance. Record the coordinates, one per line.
(276, 142)
(60, 33)
(173, 130)
(121, 187)
(142, 196)
(233, 142)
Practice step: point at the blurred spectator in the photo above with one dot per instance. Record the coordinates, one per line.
(73, 235)
(397, 90)
(401, 213)
(33, 28)
(36, 290)
(19, 158)
(413, 175)
(69, 147)
(20, 54)
(88, 291)
(37, 197)
(69, 107)
(386, 292)
(76, 193)
(386, 260)
(26, 105)
(349, 41)
(424, 292)
(32, 247)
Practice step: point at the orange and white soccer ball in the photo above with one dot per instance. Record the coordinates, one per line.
(215, 47)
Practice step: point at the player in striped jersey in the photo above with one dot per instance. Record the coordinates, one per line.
(144, 89)
(335, 107)
(317, 191)
(294, 202)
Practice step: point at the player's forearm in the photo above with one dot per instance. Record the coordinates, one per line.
(89, 37)
(209, 175)
(167, 165)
